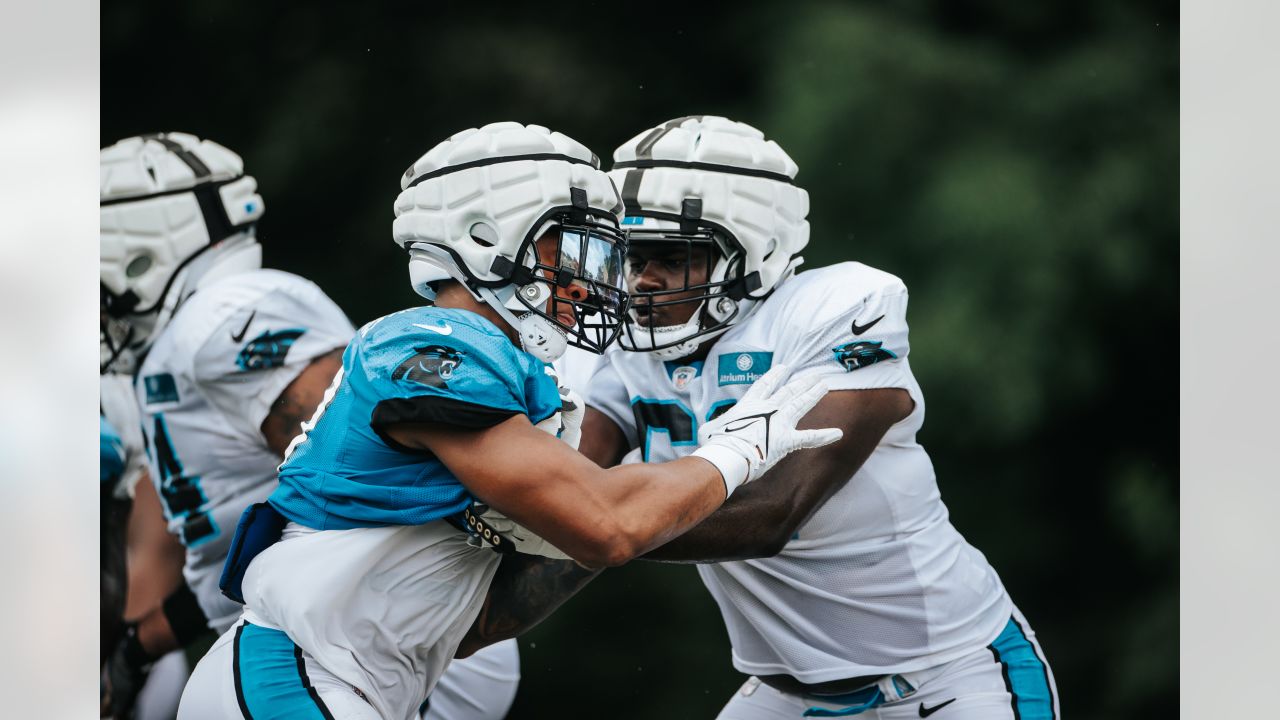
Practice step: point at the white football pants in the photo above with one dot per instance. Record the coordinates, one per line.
(1007, 680)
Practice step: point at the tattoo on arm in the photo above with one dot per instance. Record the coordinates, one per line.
(525, 590)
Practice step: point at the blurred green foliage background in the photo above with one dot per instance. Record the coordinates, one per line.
(1015, 163)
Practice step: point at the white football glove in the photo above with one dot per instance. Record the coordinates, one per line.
(760, 429)
(496, 529)
(572, 410)
(566, 423)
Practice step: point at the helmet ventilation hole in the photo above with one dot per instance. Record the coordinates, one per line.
(483, 235)
(138, 266)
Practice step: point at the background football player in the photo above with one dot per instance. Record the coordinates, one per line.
(843, 585)
(360, 575)
(141, 561)
(236, 357)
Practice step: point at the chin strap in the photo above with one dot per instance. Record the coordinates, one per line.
(539, 336)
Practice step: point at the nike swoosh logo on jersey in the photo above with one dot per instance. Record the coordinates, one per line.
(237, 337)
(442, 328)
(926, 712)
(859, 329)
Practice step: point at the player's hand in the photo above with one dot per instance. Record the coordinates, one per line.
(572, 411)
(126, 672)
(566, 423)
(522, 539)
(760, 429)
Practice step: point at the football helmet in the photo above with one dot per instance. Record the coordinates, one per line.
(176, 211)
(473, 207)
(712, 185)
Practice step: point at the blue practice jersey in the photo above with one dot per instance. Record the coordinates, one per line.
(424, 364)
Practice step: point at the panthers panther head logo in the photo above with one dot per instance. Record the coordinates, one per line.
(268, 350)
(430, 365)
(862, 353)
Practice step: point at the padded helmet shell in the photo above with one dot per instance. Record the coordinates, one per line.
(741, 185)
(480, 194)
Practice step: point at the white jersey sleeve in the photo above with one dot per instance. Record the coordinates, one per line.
(855, 343)
(118, 405)
(263, 344)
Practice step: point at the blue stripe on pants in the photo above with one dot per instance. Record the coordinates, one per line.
(1025, 674)
(271, 679)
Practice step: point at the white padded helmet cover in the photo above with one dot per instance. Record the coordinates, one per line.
(496, 201)
(144, 242)
(765, 215)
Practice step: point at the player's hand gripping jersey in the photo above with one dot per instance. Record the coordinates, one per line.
(205, 388)
(374, 514)
(877, 581)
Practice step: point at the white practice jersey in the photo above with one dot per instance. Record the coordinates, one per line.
(205, 388)
(877, 581)
(117, 404)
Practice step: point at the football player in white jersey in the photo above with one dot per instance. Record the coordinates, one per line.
(236, 357)
(136, 546)
(375, 555)
(843, 585)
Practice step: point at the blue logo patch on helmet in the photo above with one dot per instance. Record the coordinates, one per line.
(633, 220)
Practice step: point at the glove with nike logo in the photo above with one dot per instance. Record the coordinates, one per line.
(761, 429)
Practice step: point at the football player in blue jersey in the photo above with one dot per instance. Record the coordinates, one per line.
(445, 437)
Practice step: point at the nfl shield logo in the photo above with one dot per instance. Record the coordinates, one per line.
(682, 376)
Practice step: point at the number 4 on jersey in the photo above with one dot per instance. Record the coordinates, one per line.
(182, 493)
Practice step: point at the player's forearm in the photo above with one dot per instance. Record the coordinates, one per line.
(740, 533)
(525, 590)
(652, 504)
(755, 522)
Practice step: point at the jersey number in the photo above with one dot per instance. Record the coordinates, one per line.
(182, 493)
(672, 418)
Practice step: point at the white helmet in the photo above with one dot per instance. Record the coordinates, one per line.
(473, 206)
(166, 200)
(708, 181)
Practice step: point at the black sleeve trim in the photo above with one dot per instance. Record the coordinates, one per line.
(185, 617)
(434, 409)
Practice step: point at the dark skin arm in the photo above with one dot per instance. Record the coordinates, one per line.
(761, 517)
(296, 404)
(525, 590)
